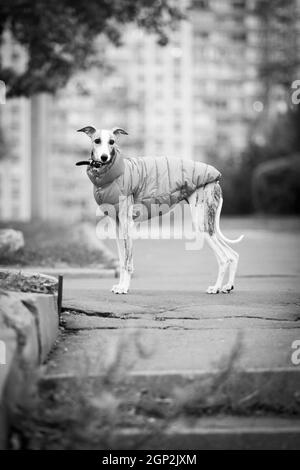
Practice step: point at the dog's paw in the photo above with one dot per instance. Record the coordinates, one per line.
(227, 288)
(213, 290)
(119, 289)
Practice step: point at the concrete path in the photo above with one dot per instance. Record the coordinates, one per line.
(191, 370)
(180, 328)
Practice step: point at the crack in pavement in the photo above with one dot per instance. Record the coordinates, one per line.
(272, 276)
(160, 317)
(251, 317)
(167, 327)
(89, 313)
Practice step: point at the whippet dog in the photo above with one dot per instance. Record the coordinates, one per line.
(130, 182)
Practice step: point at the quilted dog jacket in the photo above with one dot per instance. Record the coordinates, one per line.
(155, 183)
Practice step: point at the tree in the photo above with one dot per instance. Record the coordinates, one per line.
(59, 35)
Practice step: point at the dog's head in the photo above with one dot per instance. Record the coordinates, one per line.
(103, 143)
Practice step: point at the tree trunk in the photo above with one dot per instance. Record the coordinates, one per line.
(40, 154)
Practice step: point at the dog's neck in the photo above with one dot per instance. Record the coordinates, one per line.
(107, 173)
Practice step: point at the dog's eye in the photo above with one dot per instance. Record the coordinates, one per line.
(97, 141)
(111, 142)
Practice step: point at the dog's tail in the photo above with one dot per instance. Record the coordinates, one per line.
(218, 230)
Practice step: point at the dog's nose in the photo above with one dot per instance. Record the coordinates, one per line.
(104, 157)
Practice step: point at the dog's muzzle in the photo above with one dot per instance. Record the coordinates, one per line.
(95, 163)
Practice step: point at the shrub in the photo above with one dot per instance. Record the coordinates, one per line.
(276, 186)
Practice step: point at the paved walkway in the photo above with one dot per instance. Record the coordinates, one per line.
(180, 328)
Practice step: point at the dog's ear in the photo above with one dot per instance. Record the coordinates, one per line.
(89, 130)
(119, 130)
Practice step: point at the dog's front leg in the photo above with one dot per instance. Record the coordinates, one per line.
(124, 244)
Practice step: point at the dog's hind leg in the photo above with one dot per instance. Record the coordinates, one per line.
(232, 255)
(233, 264)
(223, 262)
(212, 208)
(203, 203)
(206, 206)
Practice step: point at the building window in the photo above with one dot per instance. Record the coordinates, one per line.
(201, 34)
(159, 112)
(201, 4)
(197, 150)
(177, 93)
(177, 126)
(15, 212)
(242, 37)
(15, 126)
(177, 75)
(221, 104)
(239, 4)
(15, 108)
(158, 58)
(15, 188)
(15, 193)
(177, 146)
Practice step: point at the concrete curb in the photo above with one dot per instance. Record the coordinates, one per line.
(44, 309)
(73, 273)
(218, 433)
(28, 330)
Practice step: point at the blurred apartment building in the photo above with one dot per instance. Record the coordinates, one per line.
(203, 91)
(188, 96)
(61, 190)
(38, 177)
(15, 177)
(199, 93)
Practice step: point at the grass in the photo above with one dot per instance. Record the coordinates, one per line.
(90, 412)
(79, 413)
(52, 245)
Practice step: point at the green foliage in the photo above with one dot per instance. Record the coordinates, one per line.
(281, 140)
(280, 59)
(278, 67)
(97, 412)
(59, 36)
(84, 412)
(276, 188)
